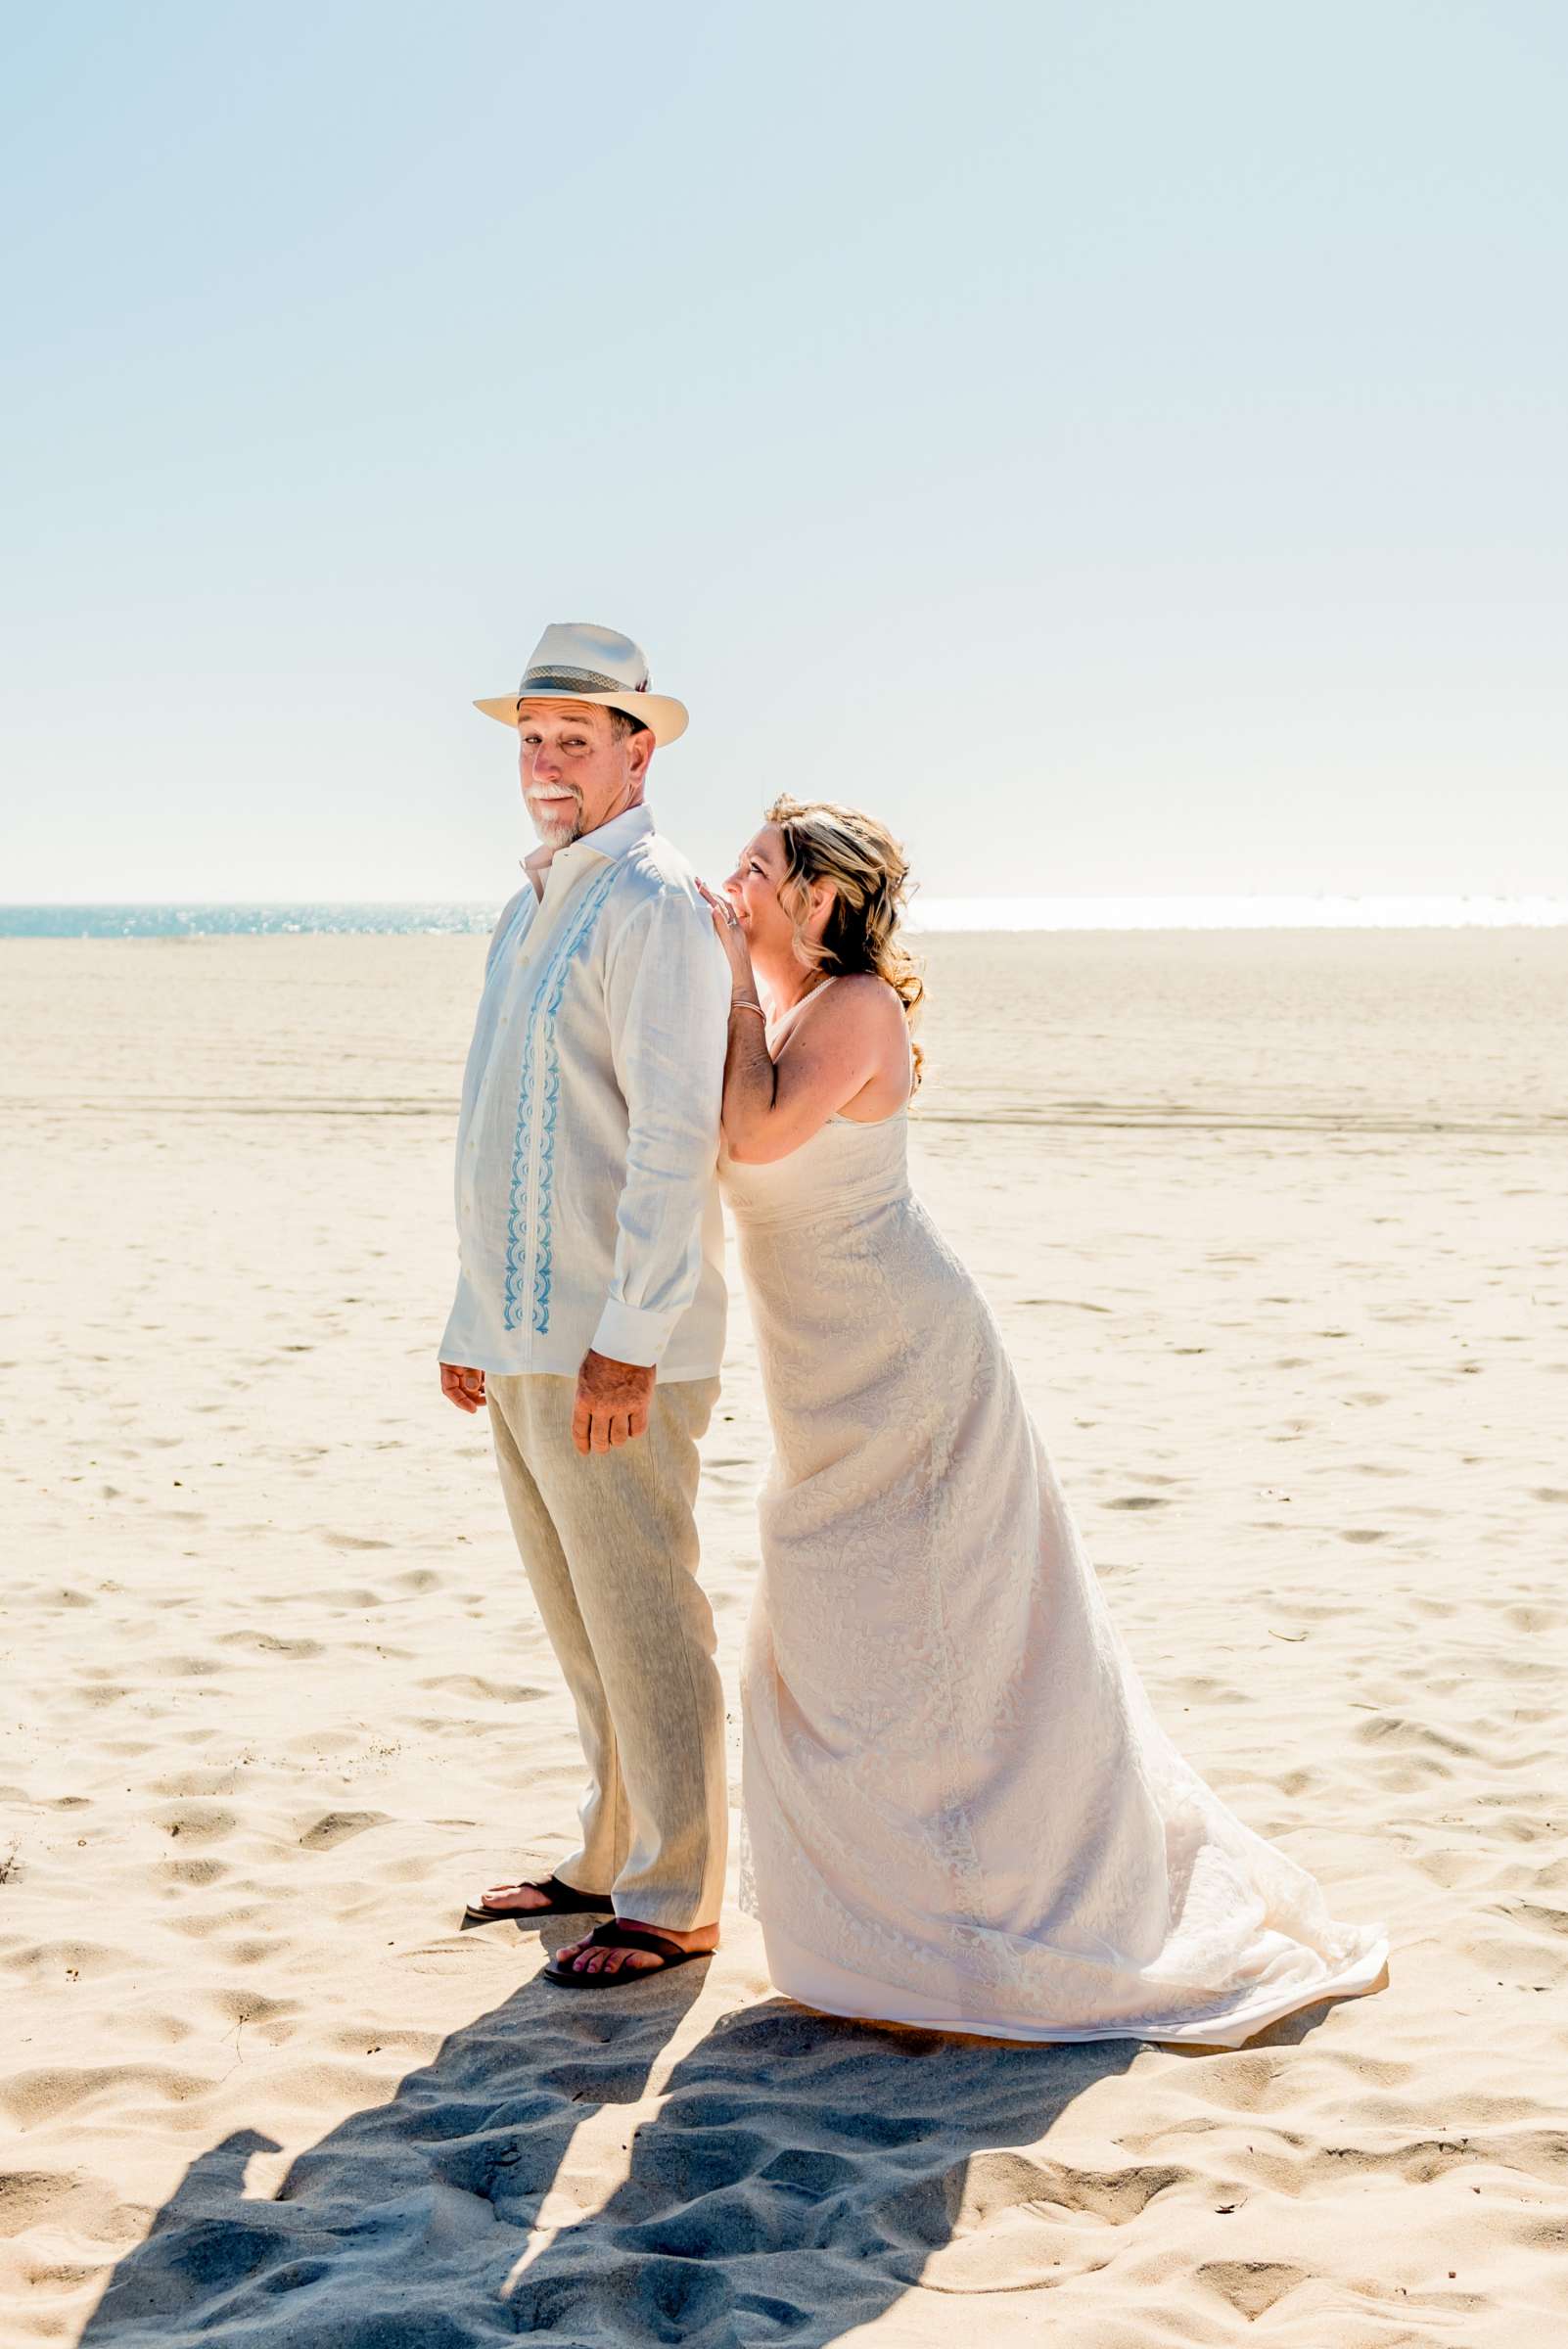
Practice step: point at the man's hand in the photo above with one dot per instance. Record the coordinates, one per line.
(611, 1404)
(462, 1386)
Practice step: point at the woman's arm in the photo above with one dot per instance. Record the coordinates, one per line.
(832, 1053)
(856, 1033)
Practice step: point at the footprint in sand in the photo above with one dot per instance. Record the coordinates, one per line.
(1249, 2286)
(1532, 1619)
(197, 1823)
(270, 1645)
(337, 1826)
(192, 1871)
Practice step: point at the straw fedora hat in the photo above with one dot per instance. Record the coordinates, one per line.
(575, 661)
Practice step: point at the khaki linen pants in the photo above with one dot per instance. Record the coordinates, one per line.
(610, 1547)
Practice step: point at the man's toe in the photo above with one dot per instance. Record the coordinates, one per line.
(591, 1957)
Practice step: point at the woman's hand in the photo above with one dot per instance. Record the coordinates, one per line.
(732, 938)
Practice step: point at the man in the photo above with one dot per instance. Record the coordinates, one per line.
(590, 1307)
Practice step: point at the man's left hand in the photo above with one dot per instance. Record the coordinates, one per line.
(613, 1402)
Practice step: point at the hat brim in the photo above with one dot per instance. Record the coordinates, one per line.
(660, 713)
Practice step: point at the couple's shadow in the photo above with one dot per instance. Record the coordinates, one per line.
(851, 2147)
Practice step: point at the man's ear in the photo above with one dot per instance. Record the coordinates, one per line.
(639, 753)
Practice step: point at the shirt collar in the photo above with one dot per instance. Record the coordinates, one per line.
(609, 841)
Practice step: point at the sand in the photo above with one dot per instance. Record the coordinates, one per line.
(1276, 1226)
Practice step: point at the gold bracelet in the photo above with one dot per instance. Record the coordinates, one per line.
(745, 1004)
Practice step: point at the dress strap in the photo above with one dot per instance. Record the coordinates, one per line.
(789, 1017)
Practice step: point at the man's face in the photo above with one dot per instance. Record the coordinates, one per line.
(576, 772)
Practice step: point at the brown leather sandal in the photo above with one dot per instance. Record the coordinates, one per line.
(616, 1936)
(564, 1900)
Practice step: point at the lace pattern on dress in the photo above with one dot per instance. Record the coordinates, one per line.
(958, 1796)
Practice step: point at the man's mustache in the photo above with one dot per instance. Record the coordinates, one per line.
(563, 809)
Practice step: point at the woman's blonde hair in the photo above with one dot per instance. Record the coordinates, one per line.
(868, 874)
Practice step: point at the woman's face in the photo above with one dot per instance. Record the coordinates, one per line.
(752, 890)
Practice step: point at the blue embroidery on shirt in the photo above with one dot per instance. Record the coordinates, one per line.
(541, 1079)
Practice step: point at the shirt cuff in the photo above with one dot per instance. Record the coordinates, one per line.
(629, 1333)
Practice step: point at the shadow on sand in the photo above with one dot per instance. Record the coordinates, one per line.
(853, 2151)
(800, 2175)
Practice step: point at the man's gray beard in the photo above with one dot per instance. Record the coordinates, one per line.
(560, 833)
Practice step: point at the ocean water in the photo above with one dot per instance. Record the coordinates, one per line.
(238, 921)
(928, 914)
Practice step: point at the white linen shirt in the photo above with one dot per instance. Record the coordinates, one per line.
(587, 1197)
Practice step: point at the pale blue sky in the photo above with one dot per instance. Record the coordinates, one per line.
(1123, 445)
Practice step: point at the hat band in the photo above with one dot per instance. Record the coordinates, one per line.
(574, 680)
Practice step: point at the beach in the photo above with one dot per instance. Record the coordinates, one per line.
(1274, 1223)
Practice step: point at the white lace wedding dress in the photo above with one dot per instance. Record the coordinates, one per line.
(959, 1810)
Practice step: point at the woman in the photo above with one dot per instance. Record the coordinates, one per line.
(959, 1808)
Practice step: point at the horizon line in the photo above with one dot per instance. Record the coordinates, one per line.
(1321, 913)
(1038, 898)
